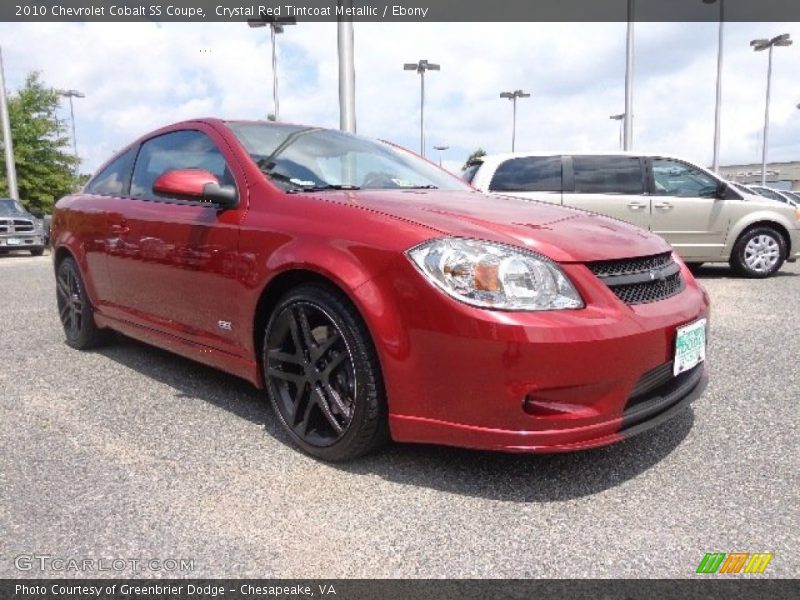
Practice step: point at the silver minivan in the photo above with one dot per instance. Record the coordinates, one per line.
(702, 216)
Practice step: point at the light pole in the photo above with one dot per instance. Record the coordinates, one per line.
(759, 45)
(73, 94)
(718, 104)
(420, 67)
(441, 149)
(347, 72)
(628, 120)
(619, 118)
(513, 97)
(8, 144)
(276, 25)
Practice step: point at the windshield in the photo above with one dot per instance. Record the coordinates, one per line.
(297, 158)
(10, 207)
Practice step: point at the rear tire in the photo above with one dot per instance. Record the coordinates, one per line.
(323, 376)
(758, 253)
(75, 310)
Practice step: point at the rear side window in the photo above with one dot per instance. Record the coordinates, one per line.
(113, 180)
(608, 175)
(528, 174)
(177, 150)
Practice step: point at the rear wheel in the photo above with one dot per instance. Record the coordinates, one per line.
(74, 309)
(758, 253)
(323, 376)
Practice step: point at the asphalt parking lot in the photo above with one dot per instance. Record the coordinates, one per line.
(133, 453)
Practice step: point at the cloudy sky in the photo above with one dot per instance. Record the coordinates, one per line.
(138, 76)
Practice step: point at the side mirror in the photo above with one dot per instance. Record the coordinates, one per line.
(195, 184)
(726, 192)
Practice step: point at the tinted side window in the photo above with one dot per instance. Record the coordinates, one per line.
(608, 175)
(679, 179)
(113, 180)
(529, 174)
(177, 150)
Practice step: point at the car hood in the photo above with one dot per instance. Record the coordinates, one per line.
(560, 233)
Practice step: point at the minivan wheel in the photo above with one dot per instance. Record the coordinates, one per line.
(758, 253)
(323, 376)
(75, 310)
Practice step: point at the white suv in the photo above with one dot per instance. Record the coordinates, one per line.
(702, 216)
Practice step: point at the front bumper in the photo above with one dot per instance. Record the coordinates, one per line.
(22, 241)
(535, 382)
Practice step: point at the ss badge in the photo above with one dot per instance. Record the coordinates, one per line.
(226, 325)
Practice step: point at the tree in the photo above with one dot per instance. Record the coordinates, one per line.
(45, 165)
(480, 152)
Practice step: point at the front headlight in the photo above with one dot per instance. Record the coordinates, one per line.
(493, 275)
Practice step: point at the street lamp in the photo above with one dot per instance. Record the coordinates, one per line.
(276, 25)
(620, 117)
(513, 97)
(759, 45)
(628, 119)
(718, 104)
(420, 67)
(73, 94)
(441, 149)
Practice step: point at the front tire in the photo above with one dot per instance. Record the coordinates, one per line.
(758, 253)
(323, 376)
(37, 251)
(75, 310)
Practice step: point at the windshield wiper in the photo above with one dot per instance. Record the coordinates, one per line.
(420, 187)
(322, 188)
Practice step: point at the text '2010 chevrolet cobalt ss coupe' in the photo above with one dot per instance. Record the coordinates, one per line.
(373, 295)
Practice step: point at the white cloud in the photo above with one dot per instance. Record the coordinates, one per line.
(138, 76)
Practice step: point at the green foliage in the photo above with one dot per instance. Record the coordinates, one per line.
(45, 164)
(480, 152)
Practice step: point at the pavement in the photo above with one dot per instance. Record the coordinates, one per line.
(134, 454)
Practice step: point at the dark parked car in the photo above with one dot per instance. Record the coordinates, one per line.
(19, 229)
(372, 294)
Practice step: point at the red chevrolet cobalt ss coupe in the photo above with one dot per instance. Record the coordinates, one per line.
(373, 295)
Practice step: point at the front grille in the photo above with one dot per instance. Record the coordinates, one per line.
(640, 280)
(627, 266)
(651, 380)
(23, 225)
(4, 225)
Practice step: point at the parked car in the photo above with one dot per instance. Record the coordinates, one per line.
(773, 194)
(372, 294)
(19, 229)
(703, 217)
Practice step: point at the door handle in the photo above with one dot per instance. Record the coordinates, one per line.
(636, 205)
(120, 229)
(664, 205)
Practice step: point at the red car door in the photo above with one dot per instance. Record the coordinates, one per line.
(175, 267)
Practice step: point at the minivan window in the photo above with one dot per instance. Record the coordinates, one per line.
(113, 180)
(177, 150)
(608, 174)
(528, 174)
(673, 178)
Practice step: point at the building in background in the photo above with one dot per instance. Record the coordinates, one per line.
(780, 175)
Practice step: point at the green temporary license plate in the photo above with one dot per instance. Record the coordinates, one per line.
(690, 346)
(14, 242)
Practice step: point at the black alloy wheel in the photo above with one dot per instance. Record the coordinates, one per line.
(322, 374)
(74, 308)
